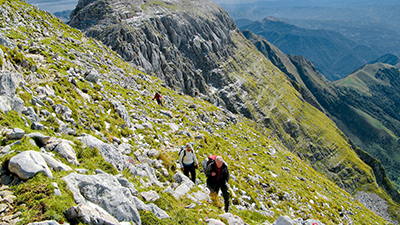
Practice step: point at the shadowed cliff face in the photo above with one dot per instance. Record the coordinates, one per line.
(182, 42)
(195, 46)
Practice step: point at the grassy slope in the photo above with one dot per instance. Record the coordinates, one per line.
(373, 100)
(236, 142)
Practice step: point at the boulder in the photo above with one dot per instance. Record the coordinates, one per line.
(153, 153)
(173, 126)
(167, 113)
(40, 139)
(64, 148)
(62, 110)
(125, 183)
(144, 170)
(110, 153)
(37, 126)
(8, 84)
(214, 222)
(232, 219)
(89, 213)
(15, 134)
(125, 148)
(31, 114)
(55, 164)
(122, 112)
(92, 76)
(283, 220)
(27, 164)
(106, 190)
(150, 196)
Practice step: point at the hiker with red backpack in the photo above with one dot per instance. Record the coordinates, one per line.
(158, 97)
(188, 161)
(217, 178)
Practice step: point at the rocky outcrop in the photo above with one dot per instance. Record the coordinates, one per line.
(182, 47)
(27, 164)
(8, 84)
(110, 194)
(110, 153)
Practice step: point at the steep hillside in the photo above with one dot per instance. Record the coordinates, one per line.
(388, 59)
(88, 115)
(372, 94)
(347, 109)
(285, 64)
(332, 54)
(229, 72)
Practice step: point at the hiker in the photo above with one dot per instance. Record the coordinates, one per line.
(217, 178)
(188, 161)
(157, 96)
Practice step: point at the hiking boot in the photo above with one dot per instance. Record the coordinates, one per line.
(226, 208)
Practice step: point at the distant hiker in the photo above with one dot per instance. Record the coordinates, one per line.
(196, 94)
(157, 96)
(188, 161)
(217, 178)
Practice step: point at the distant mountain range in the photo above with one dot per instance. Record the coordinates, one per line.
(333, 55)
(365, 104)
(64, 15)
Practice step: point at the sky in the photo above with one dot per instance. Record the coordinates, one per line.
(54, 5)
(61, 5)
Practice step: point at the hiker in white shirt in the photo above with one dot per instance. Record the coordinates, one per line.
(188, 161)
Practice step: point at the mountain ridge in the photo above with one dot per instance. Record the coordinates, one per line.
(334, 98)
(332, 54)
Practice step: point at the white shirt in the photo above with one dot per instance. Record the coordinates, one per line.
(189, 158)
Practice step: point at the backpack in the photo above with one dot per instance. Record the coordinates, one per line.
(207, 161)
(184, 152)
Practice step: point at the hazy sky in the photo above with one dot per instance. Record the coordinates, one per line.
(54, 5)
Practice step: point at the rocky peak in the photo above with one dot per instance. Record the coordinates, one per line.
(179, 41)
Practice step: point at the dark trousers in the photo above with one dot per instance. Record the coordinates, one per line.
(225, 193)
(159, 101)
(192, 170)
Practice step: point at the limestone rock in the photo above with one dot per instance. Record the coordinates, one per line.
(37, 126)
(150, 196)
(110, 153)
(62, 110)
(125, 148)
(15, 134)
(214, 222)
(64, 148)
(99, 189)
(55, 164)
(232, 219)
(39, 138)
(8, 84)
(89, 213)
(27, 164)
(92, 76)
(122, 112)
(47, 222)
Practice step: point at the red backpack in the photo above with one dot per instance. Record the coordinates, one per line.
(210, 159)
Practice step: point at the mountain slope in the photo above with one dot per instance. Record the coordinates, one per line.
(88, 98)
(388, 59)
(234, 75)
(332, 54)
(339, 106)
